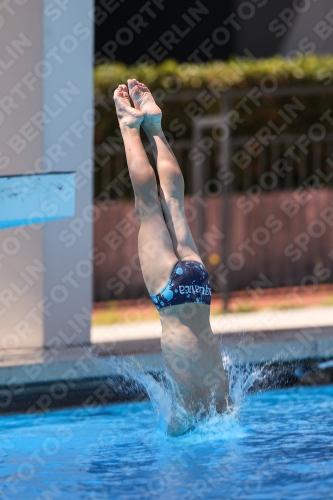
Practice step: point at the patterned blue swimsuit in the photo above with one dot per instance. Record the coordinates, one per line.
(188, 282)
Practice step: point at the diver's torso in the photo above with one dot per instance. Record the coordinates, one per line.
(192, 355)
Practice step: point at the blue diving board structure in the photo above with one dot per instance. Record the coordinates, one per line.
(36, 198)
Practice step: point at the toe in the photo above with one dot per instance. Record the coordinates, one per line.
(135, 92)
(131, 83)
(117, 92)
(133, 86)
(142, 87)
(121, 96)
(124, 91)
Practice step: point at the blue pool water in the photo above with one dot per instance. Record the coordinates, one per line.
(278, 445)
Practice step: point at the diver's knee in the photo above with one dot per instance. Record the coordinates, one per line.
(146, 208)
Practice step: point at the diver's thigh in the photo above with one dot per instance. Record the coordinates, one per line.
(156, 253)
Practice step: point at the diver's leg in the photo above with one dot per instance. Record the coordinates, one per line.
(156, 253)
(171, 178)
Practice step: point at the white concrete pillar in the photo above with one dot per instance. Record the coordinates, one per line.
(46, 61)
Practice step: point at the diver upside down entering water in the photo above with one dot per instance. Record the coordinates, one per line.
(174, 274)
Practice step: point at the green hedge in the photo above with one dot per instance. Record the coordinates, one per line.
(172, 78)
(236, 73)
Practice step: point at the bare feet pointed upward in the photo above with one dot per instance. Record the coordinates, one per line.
(144, 101)
(127, 115)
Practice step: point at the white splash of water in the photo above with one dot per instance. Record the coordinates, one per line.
(167, 401)
(163, 394)
(241, 379)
